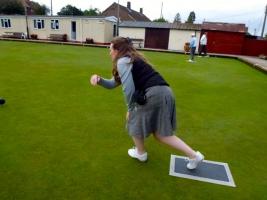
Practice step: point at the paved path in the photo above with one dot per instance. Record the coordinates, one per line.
(253, 61)
(256, 62)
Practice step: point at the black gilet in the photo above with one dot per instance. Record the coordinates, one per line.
(144, 76)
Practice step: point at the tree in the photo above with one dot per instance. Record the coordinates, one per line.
(16, 7)
(160, 20)
(191, 18)
(92, 12)
(11, 7)
(177, 18)
(38, 9)
(70, 10)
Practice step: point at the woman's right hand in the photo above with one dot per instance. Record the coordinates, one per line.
(94, 79)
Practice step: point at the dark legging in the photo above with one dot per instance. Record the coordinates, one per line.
(203, 49)
(192, 52)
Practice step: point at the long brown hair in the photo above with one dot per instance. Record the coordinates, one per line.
(125, 47)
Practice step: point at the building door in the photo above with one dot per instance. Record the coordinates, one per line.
(157, 38)
(73, 30)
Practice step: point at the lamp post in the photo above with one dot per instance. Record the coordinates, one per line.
(118, 18)
(263, 26)
(26, 17)
(51, 13)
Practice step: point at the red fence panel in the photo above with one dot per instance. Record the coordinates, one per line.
(225, 42)
(254, 47)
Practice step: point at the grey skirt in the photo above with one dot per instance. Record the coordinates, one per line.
(158, 115)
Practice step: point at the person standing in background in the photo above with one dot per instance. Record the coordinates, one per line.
(193, 45)
(203, 44)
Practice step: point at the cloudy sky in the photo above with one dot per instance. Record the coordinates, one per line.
(249, 12)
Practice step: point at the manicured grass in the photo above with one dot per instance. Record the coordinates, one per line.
(61, 138)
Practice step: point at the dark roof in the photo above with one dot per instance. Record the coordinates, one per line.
(186, 26)
(133, 24)
(163, 25)
(228, 27)
(110, 18)
(125, 13)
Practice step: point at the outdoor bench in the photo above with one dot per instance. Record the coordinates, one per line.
(17, 35)
(58, 37)
(137, 42)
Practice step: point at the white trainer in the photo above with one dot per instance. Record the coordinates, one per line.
(193, 163)
(134, 154)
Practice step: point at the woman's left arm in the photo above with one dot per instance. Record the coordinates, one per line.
(125, 72)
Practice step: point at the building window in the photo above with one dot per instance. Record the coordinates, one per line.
(38, 23)
(54, 24)
(6, 23)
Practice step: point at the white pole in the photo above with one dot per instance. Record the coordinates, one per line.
(118, 18)
(161, 16)
(26, 17)
(263, 27)
(51, 8)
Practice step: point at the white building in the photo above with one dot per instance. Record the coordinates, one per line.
(102, 30)
(77, 28)
(159, 35)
